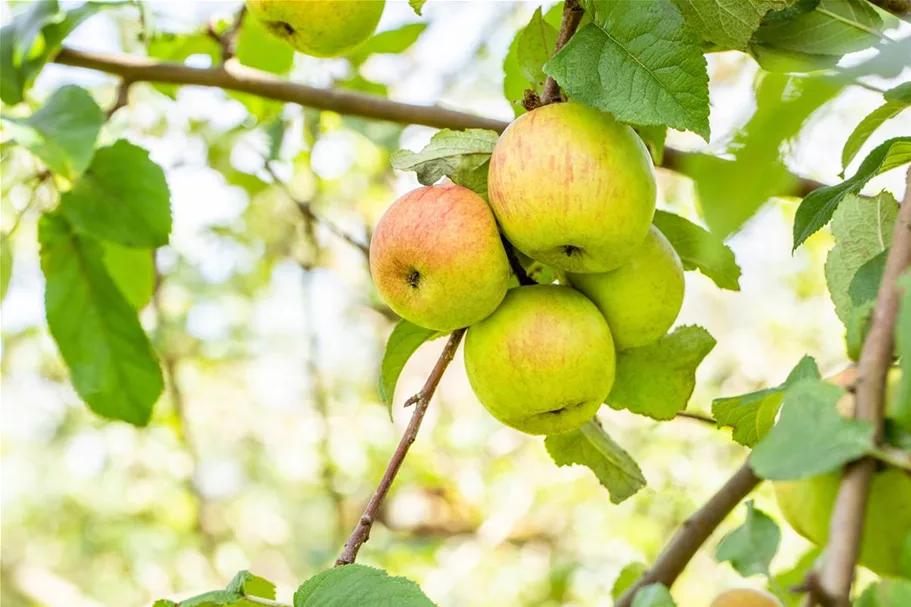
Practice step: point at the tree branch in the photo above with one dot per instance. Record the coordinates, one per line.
(237, 77)
(361, 533)
(572, 15)
(122, 99)
(693, 533)
(306, 210)
(846, 525)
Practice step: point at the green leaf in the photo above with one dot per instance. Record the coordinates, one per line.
(726, 24)
(28, 26)
(857, 328)
(817, 208)
(886, 593)
(275, 134)
(514, 83)
(404, 341)
(132, 270)
(591, 446)
(752, 415)
(417, 5)
(164, 603)
(795, 576)
(810, 437)
(639, 62)
(111, 362)
(865, 284)
(535, 44)
(388, 42)
(897, 100)
(801, 7)
(657, 380)
(216, 598)
(248, 584)
(18, 74)
(122, 197)
(751, 547)
(6, 265)
(700, 250)
(359, 586)
(463, 156)
(62, 132)
(361, 84)
(654, 138)
(835, 27)
(259, 49)
(629, 575)
(902, 400)
(781, 61)
(730, 192)
(654, 595)
(862, 229)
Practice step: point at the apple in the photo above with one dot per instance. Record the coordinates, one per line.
(807, 506)
(322, 28)
(642, 298)
(746, 597)
(572, 188)
(437, 259)
(543, 362)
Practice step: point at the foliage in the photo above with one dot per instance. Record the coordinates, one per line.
(143, 285)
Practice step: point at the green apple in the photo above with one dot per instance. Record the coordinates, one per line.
(807, 506)
(322, 28)
(437, 259)
(573, 188)
(642, 298)
(543, 362)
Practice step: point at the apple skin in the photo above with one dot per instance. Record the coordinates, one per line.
(642, 298)
(437, 259)
(807, 506)
(572, 188)
(746, 597)
(322, 28)
(543, 362)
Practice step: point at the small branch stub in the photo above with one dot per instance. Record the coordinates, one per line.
(572, 16)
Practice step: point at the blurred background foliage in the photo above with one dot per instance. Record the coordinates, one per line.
(271, 435)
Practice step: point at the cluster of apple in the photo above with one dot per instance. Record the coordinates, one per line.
(569, 187)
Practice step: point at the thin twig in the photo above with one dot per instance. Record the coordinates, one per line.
(694, 532)
(897, 458)
(256, 82)
(306, 210)
(572, 16)
(361, 532)
(699, 417)
(122, 99)
(228, 39)
(846, 524)
(317, 388)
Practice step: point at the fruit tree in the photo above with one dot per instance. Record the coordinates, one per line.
(585, 303)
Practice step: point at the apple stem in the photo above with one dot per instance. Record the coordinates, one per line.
(846, 524)
(421, 400)
(572, 16)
